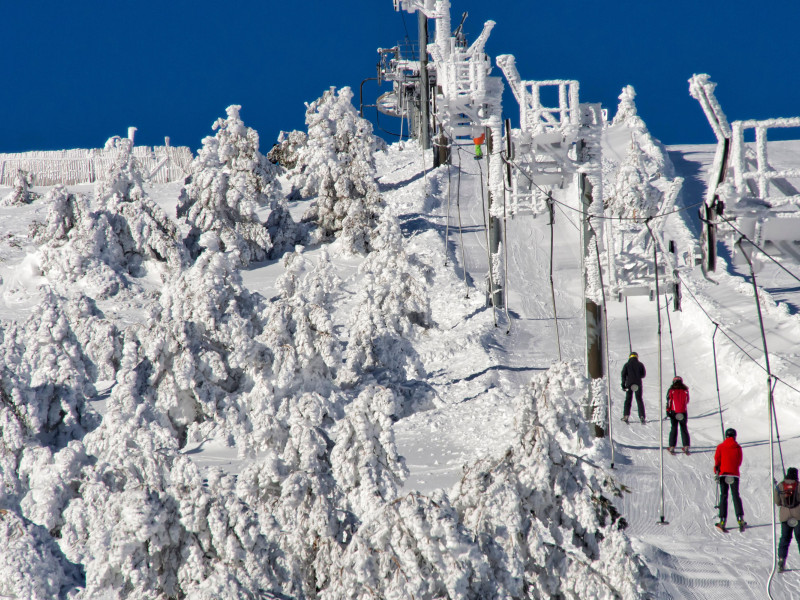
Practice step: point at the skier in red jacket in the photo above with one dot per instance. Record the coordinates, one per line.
(727, 460)
(677, 411)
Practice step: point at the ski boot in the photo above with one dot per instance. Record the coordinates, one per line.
(671, 450)
(721, 525)
(625, 419)
(742, 524)
(643, 420)
(781, 565)
(686, 450)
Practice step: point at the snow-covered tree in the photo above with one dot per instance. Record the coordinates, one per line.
(229, 179)
(364, 458)
(199, 346)
(542, 512)
(413, 547)
(20, 189)
(108, 249)
(392, 304)
(632, 194)
(298, 327)
(285, 151)
(336, 165)
(52, 361)
(32, 565)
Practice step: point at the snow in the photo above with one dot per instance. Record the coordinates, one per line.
(346, 416)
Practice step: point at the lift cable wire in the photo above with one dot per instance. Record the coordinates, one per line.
(488, 248)
(727, 335)
(628, 321)
(505, 262)
(660, 382)
(770, 410)
(447, 222)
(552, 284)
(460, 227)
(671, 341)
(716, 379)
(759, 248)
(604, 217)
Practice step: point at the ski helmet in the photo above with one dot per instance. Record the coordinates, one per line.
(677, 379)
(791, 473)
(634, 355)
(731, 432)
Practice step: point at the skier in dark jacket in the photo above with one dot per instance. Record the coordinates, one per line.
(727, 460)
(632, 375)
(677, 411)
(787, 496)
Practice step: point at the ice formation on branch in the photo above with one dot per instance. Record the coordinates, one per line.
(229, 179)
(336, 165)
(541, 513)
(286, 151)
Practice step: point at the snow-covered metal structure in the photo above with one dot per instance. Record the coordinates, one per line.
(745, 191)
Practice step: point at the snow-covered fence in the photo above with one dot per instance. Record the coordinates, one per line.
(764, 173)
(162, 163)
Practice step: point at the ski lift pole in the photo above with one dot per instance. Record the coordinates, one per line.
(777, 433)
(716, 378)
(660, 383)
(770, 408)
(550, 205)
(605, 335)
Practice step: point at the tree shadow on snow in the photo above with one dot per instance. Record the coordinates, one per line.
(388, 187)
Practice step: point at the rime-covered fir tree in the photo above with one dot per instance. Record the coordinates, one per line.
(229, 179)
(21, 192)
(126, 238)
(336, 165)
(632, 194)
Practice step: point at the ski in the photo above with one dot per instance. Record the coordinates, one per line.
(721, 527)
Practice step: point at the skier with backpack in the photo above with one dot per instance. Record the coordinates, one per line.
(727, 460)
(632, 375)
(787, 497)
(677, 411)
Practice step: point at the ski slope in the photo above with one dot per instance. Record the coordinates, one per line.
(689, 556)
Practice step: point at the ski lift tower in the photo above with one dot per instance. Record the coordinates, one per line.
(746, 194)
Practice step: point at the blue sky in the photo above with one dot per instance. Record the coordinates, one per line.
(77, 73)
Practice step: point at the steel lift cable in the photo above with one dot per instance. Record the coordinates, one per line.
(605, 335)
(727, 335)
(628, 321)
(716, 379)
(505, 262)
(460, 227)
(447, 222)
(604, 217)
(760, 249)
(770, 410)
(488, 248)
(660, 383)
(671, 342)
(552, 284)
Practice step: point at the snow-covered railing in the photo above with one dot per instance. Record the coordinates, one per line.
(165, 163)
(534, 115)
(764, 173)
